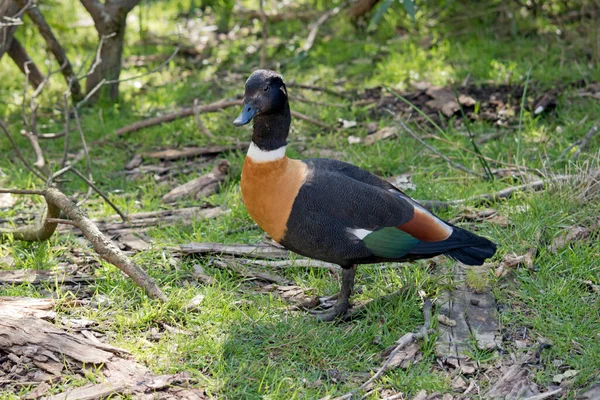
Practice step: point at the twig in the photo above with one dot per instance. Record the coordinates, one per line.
(40, 162)
(311, 120)
(484, 164)
(83, 143)
(199, 120)
(310, 40)
(105, 197)
(62, 221)
(18, 153)
(433, 149)
(583, 143)
(185, 112)
(22, 191)
(105, 81)
(315, 89)
(317, 103)
(63, 162)
(263, 49)
(501, 194)
(400, 344)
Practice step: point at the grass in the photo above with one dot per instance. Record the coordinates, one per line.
(247, 344)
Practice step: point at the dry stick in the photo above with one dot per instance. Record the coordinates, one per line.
(103, 246)
(315, 89)
(33, 139)
(501, 194)
(185, 112)
(212, 107)
(400, 344)
(18, 153)
(105, 197)
(41, 230)
(65, 156)
(199, 120)
(110, 82)
(311, 120)
(310, 40)
(582, 143)
(263, 49)
(433, 149)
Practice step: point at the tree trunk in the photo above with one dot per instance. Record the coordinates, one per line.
(110, 19)
(55, 48)
(7, 9)
(361, 7)
(109, 68)
(20, 57)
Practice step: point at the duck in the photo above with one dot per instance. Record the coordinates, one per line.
(331, 210)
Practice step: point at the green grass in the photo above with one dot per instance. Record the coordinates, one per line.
(243, 343)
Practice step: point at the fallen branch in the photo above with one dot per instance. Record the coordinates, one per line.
(58, 202)
(202, 186)
(38, 232)
(185, 112)
(400, 344)
(191, 111)
(306, 118)
(236, 250)
(251, 273)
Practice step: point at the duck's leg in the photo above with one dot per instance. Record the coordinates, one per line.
(343, 299)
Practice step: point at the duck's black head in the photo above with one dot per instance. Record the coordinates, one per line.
(266, 103)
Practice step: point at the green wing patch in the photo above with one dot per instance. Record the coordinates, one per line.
(390, 242)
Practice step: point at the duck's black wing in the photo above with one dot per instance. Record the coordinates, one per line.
(347, 215)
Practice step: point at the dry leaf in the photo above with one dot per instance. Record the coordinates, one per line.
(444, 100)
(382, 134)
(573, 234)
(512, 260)
(565, 375)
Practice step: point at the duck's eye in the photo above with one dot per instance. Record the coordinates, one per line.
(266, 89)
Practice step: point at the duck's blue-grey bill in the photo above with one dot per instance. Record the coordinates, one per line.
(246, 116)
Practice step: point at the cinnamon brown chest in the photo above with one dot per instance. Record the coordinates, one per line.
(269, 190)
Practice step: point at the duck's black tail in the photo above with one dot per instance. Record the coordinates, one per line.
(475, 249)
(462, 245)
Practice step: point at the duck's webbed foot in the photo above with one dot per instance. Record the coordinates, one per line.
(342, 299)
